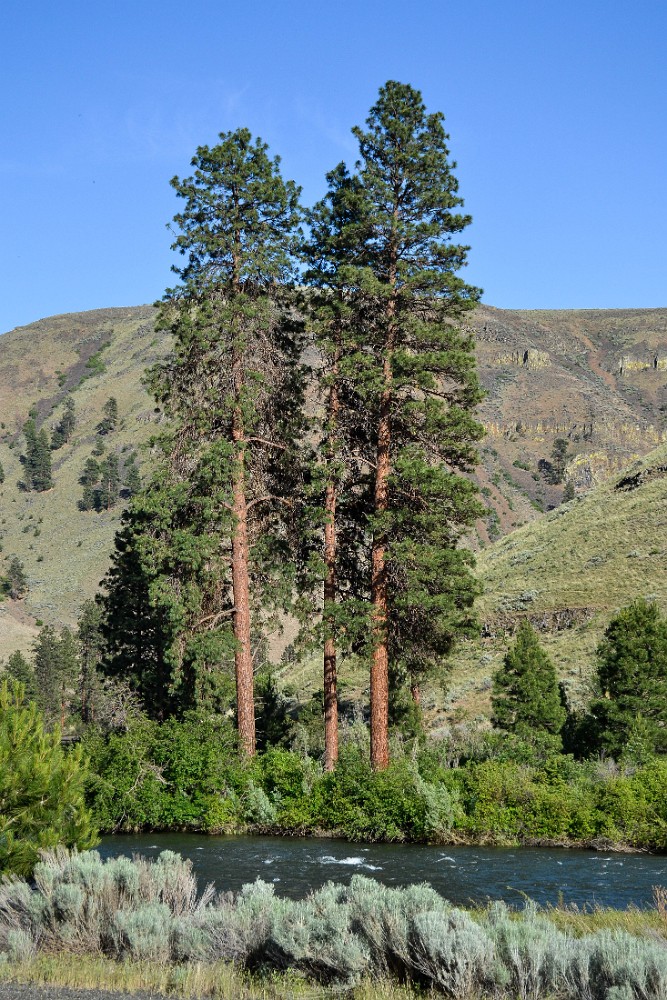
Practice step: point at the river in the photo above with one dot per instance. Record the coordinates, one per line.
(463, 875)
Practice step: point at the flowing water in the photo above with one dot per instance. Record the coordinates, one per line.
(463, 875)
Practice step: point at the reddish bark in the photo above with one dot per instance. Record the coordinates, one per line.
(416, 693)
(330, 674)
(380, 659)
(245, 702)
(379, 602)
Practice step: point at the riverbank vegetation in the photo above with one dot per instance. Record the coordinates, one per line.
(151, 913)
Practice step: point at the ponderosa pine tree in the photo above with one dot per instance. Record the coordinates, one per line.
(219, 511)
(333, 254)
(417, 370)
(526, 698)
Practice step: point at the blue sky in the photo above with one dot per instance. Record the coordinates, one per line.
(557, 112)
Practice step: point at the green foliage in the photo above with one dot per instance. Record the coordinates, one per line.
(110, 418)
(559, 457)
(526, 697)
(41, 787)
(233, 391)
(56, 668)
(16, 579)
(94, 364)
(62, 432)
(2, 474)
(632, 679)
(37, 458)
(20, 671)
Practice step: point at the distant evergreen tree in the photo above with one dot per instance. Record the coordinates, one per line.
(89, 479)
(526, 697)
(2, 474)
(22, 672)
(109, 482)
(91, 473)
(110, 419)
(56, 671)
(62, 432)
(42, 477)
(135, 629)
(37, 458)
(90, 639)
(569, 492)
(632, 679)
(559, 456)
(17, 579)
(132, 479)
(99, 447)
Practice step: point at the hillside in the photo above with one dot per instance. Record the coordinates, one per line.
(568, 573)
(597, 378)
(93, 355)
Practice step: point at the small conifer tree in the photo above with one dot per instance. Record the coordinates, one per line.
(41, 787)
(110, 418)
(62, 432)
(526, 698)
(22, 672)
(17, 579)
(632, 679)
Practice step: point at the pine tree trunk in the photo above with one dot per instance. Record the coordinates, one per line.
(380, 659)
(245, 697)
(330, 676)
(379, 603)
(245, 701)
(415, 693)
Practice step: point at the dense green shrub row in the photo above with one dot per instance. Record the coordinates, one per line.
(151, 912)
(186, 775)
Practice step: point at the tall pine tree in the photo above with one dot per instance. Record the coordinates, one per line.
(333, 254)
(416, 377)
(220, 510)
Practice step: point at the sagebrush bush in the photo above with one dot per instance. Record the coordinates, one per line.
(151, 912)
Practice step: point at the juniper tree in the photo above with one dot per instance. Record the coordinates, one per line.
(526, 697)
(417, 371)
(220, 509)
